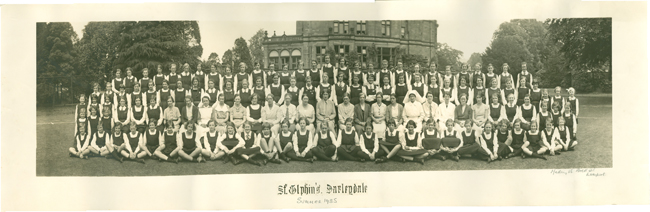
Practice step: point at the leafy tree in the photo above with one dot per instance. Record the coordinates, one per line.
(97, 51)
(227, 58)
(256, 47)
(474, 58)
(586, 43)
(446, 55)
(213, 58)
(242, 54)
(149, 43)
(54, 58)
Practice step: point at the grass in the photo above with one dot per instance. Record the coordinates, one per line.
(55, 128)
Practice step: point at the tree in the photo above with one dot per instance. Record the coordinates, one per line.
(256, 47)
(445, 55)
(97, 51)
(54, 58)
(242, 54)
(586, 44)
(150, 43)
(227, 58)
(507, 49)
(474, 58)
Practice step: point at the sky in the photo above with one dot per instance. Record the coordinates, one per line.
(220, 36)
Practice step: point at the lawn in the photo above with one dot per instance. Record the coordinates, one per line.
(55, 125)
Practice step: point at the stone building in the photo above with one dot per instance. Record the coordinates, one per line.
(314, 38)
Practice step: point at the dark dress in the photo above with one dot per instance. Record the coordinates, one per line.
(347, 141)
(152, 140)
(170, 143)
(212, 140)
(470, 146)
(430, 141)
(248, 148)
(411, 143)
(101, 141)
(189, 144)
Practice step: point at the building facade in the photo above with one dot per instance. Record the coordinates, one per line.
(314, 38)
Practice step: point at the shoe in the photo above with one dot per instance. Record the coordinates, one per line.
(420, 161)
(160, 160)
(523, 156)
(443, 158)
(310, 160)
(455, 158)
(121, 160)
(287, 159)
(251, 161)
(362, 160)
(72, 155)
(571, 148)
(141, 161)
(236, 161)
(178, 159)
(226, 159)
(403, 160)
(557, 153)
(264, 161)
(276, 161)
(489, 160)
(499, 158)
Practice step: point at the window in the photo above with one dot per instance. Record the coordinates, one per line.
(284, 58)
(363, 54)
(341, 26)
(385, 28)
(403, 32)
(274, 58)
(295, 58)
(342, 49)
(361, 27)
(320, 54)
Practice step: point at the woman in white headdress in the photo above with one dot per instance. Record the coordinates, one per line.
(413, 109)
(205, 113)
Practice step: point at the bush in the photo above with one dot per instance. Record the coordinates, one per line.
(587, 82)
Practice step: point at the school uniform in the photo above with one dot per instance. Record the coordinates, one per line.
(400, 73)
(107, 124)
(255, 113)
(99, 140)
(315, 77)
(346, 74)
(121, 114)
(511, 112)
(550, 137)
(535, 98)
(138, 115)
(134, 141)
(229, 97)
(491, 92)
(93, 121)
(302, 142)
(172, 80)
(429, 76)
(186, 78)
(294, 91)
(470, 144)
(329, 69)
(476, 91)
(534, 141)
(387, 90)
(190, 115)
(190, 142)
(285, 79)
(435, 92)
(355, 92)
(152, 140)
(386, 73)
(556, 118)
(325, 147)
(495, 112)
(340, 90)
(570, 121)
(502, 148)
(269, 77)
(179, 97)
(300, 77)
(349, 144)
(565, 135)
(196, 95)
(200, 76)
(364, 81)
(325, 88)
(239, 77)
(255, 74)
(451, 92)
(521, 93)
(371, 93)
(215, 78)
(117, 82)
(502, 136)
(489, 77)
(431, 140)
(400, 92)
(261, 94)
(81, 142)
(420, 88)
(250, 145)
(158, 81)
(504, 78)
(475, 77)
(391, 139)
(210, 141)
(370, 144)
(285, 139)
(171, 143)
(164, 97)
(450, 140)
(412, 141)
(245, 95)
(129, 83)
(465, 75)
(227, 78)
(505, 93)
(277, 90)
(213, 93)
(149, 95)
(359, 76)
(574, 106)
(517, 141)
(118, 140)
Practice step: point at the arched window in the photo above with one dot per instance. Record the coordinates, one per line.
(295, 57)
(285, 58)
(274, 58)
